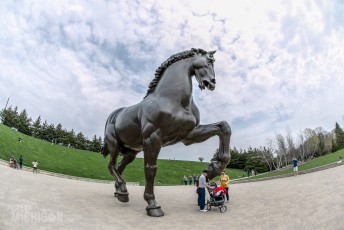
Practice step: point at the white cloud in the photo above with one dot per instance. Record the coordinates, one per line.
(278, 65)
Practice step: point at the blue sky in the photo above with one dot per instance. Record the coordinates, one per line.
(279, 64)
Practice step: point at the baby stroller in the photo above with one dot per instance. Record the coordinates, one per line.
(217, 197)
(13, 163)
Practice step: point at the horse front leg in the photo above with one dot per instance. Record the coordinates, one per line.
(151, 148)
(202, 133)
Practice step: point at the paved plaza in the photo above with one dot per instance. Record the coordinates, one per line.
(310, 201)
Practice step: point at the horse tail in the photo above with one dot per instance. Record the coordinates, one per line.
(110, 122)
(104, 150)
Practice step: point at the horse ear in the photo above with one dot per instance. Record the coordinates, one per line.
(211, 53)
(210, 56)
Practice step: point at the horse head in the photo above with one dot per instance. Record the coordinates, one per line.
(204, 70)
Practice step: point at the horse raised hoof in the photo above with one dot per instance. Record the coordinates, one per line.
(122, 196)
(213, 170)
(154, 211)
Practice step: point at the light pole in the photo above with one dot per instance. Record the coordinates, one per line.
(5, 109)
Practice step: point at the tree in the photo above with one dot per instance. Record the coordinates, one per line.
(60, 133)
(291, 150)
(44, 132)
(311, 144)
(334, 146)
(215, 154)
(201, 159)
(272, 149)
(243, 156)
(100, 143)
(24, 123)
(10, 117)
(234, 162)
(302, 151)
(95, 144)
(70, 138)
(339, 136)
(50, 132)
(325, 141)
(37, 128)
(266, 155)
(80, 141)
(281, 150)
(254, 161)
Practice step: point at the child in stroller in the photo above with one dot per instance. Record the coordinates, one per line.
(13, 162)
(217, 197)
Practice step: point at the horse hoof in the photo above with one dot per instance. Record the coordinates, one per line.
(155, 211)
(122, 197)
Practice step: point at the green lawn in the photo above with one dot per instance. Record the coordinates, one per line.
(87, 164)
(316, 162)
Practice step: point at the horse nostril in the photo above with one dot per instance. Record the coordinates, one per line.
(213, 81)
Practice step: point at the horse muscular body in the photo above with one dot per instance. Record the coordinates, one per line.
(167, 115)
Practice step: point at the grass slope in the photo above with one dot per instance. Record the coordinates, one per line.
(316, 162)
(87, 164)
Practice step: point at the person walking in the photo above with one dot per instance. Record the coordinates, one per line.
(21, 162)
(295, 166)
(224, 181)
(185, 179)
(34, 165)
(194, 179)
(11, 162)
(190, 180)
(15, 166)
(202, 184)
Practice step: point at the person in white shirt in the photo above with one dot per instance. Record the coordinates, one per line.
(34, 165)
(202, 184)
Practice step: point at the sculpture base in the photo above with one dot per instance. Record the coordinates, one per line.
(155, 212)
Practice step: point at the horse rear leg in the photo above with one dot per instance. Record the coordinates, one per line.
(127, 159)
(151, 149)
(120, 185)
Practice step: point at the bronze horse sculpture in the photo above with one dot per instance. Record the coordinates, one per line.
(167, 115)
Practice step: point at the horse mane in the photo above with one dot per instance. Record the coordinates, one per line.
(174, 58)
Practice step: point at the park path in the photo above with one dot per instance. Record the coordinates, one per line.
(310, 201)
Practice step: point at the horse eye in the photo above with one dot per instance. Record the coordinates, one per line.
(210, 62)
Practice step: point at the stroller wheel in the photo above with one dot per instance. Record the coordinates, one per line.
(208, 205)
(223, 208)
